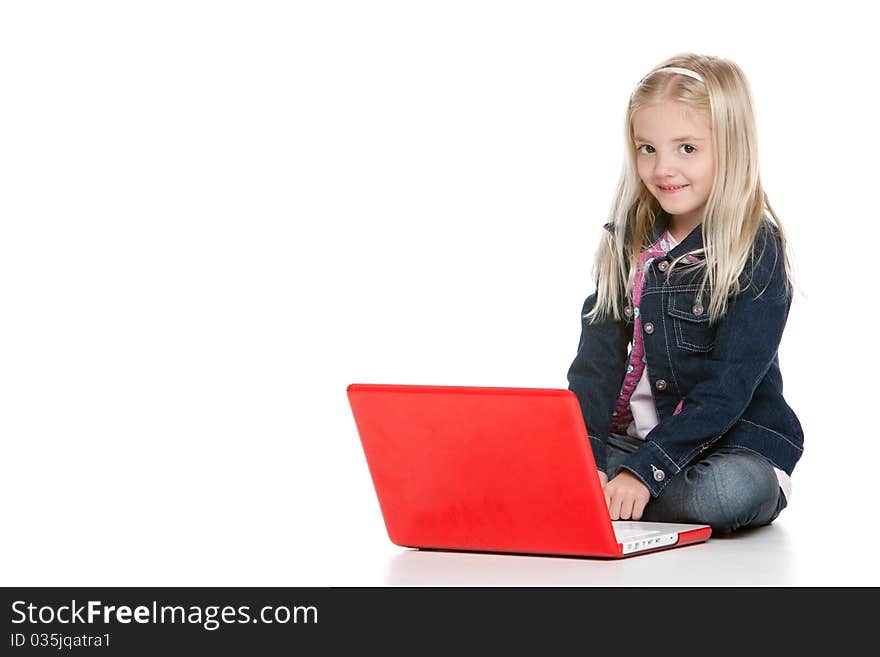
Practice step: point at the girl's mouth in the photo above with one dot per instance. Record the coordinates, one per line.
(672, 190)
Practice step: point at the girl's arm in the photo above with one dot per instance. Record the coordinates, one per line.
(596, 374)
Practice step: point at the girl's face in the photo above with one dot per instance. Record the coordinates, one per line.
(674, 148)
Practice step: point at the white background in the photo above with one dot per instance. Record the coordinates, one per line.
(217, 215)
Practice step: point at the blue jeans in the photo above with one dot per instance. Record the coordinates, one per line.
(727, 487)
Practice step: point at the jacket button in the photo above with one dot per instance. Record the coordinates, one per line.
(628, 311)
(649, 328)
(698, 309)
(659, 475)
(660, 384)
(662, 265)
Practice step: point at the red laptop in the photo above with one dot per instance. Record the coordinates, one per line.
(495, 470)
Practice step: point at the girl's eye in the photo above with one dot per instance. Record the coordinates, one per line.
(690, 152)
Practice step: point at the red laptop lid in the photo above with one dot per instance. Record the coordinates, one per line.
(483, 468)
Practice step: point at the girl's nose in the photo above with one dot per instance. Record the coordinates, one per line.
(664, 167)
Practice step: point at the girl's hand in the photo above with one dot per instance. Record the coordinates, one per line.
(603, 479)
(626, 496)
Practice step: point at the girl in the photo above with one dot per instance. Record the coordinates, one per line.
(677, 371)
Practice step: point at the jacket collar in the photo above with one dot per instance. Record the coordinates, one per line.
(693, 240)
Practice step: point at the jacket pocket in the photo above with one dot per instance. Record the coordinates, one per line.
(690, 322)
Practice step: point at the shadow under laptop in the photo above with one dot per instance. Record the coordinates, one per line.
(761, 556)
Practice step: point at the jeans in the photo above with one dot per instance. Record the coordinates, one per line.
(728, 488)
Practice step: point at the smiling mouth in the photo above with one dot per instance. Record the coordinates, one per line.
(670, 190)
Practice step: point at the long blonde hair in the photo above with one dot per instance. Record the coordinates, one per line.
(736, 205)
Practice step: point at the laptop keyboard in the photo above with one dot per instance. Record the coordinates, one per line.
(628, 530)
(630, 534)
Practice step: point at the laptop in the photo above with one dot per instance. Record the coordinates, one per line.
(491, 469)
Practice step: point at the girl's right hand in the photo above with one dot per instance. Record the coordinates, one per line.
(603, 479)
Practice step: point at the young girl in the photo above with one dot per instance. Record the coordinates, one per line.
(677, 371)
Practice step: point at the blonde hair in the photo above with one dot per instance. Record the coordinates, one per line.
(735, 209)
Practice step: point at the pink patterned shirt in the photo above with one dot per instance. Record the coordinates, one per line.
(622, 420)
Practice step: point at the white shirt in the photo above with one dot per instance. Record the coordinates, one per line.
(641, 404)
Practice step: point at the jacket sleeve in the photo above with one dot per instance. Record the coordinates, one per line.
(746, 342)
(596, 374)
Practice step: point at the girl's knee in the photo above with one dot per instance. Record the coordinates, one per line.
(728, 489)
(743, 491)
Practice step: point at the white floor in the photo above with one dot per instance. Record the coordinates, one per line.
(798, 549)
(769, 556)
(758, 557)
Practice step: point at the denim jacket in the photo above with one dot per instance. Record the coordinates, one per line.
(727, 375)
